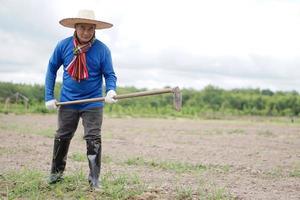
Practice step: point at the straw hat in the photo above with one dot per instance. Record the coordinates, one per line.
(87, 17)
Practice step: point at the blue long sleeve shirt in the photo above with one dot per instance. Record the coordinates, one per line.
(99, 64)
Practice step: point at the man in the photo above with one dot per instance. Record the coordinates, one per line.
(85, 61)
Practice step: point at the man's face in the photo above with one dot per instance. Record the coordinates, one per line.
(85, 32)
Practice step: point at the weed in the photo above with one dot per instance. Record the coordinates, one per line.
(122, 186)
(212, 192)
(296, 171)
(219, 194)
(184, 193)
(276, 172)
(205, 191)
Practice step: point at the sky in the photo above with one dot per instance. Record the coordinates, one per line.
(157, 43)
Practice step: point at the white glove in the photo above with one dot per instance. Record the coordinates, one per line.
(109, 97)
(51, 104)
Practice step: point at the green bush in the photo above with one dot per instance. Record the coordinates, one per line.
(210, 102)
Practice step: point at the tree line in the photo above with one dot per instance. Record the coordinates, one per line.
(195, 103)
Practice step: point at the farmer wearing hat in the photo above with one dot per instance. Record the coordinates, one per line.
(86, 61)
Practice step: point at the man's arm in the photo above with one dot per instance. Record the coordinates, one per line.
(108, 72)
(110, 78)
(54, 64)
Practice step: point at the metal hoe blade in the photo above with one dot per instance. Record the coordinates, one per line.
(177, 100)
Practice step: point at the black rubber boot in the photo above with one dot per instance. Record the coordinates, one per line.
(94, 159)
(59, 160)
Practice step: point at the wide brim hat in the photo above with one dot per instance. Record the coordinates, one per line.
(84, 17)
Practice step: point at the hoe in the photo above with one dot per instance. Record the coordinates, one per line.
(177, 99)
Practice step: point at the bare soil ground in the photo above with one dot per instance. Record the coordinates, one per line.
(245, 159)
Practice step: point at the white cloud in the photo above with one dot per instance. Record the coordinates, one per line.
(192, 43)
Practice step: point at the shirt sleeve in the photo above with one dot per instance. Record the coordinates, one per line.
(108, 72)
(54, 64)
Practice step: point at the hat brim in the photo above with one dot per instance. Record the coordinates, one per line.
(71, 22)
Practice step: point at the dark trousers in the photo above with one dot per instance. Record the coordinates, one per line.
(68, 121)
(67, 124)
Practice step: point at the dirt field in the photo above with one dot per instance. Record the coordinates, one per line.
(239, 159)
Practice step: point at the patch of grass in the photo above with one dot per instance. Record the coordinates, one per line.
(122, 186)
(296, 171)
(184, 193)
(205, 191)
(224, 132)
(214, 132)
(48, 132)
(283, 172)
(25, 129)
(106, 159)
(23, 184)
(79, 157)
(9, 127)
(266, 133)
(210, 191)
(5, 151)
(13, 150)
(237, 132)
(276, 172)
(135, 161)
(32, 184)
(178, 167)
(219, 194)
